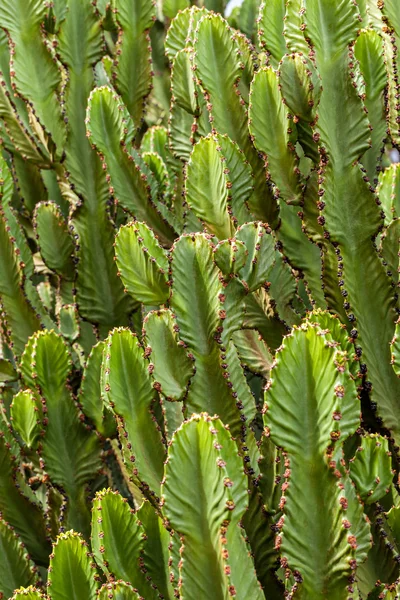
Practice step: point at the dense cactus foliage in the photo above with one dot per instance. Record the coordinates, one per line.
(199, 332)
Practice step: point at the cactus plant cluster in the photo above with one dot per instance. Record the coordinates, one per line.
(199, 330)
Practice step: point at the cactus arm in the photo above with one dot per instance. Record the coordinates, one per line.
(259, 314)
(395, 349)
(388, 191)
(70, 453)
(117, 537)
(267, 126)
(218, 68)
(240, 179)
(14, 114)
(301, 90)
(132, 73)
(259, 243)
(56, 245)
(160, 172)
(16, 569)
(28, 594)
(315, 232)
(90, 394)
(100, 299)
(208, 196)
(196, 477)
(29, 180)
(37, 81)
(301, 252)
(68, 322)
(242, 574)
(20, 317)
(371, 469)
(323, 562)
(142, 264)
(270, 29)
(105, 124)
(195, 301)
(25, 417)
(72, 571)
(171, 367)
(343, 140)
(157, 549)
(20, 138)
(391, 25)
(25, 517)
(130, 393)
(293, 31)
(184, 88)
(180, 127)
(230, 256)
(11, 215)
(368, 50)
(118, 591)
(389, 249)
(253, 352)
(182, 30)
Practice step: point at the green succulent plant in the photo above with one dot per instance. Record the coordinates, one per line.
(199, 328)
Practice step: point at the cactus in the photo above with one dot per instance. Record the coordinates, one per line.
(199, 332)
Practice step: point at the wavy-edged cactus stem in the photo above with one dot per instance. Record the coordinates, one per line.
(197, 294)
(369, 51)
(129, 392)
(388, 191)
(16, 568)
(319, 532)
(117, 537)
(118, 591)
(56, 246)
(39, 79)
(21, 510)
(25, 417)
(72, 572)
(270, 29)
(90, 393)
(69, 451)
(29, 593)
(218, 185)
(181, 32)
(274, 134)
(371, 468)
(160, 552)
(204, 493)
(108, 126)
(18, 313)
(8, 373)
(171, 367)
(100, 299)
(218, 68)
(270, 120)
(382, 564)
(17, 135)
(118, 541)
(352, 226)
(395, 348)
(132, 71)
(391, 26)
(142, 264)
